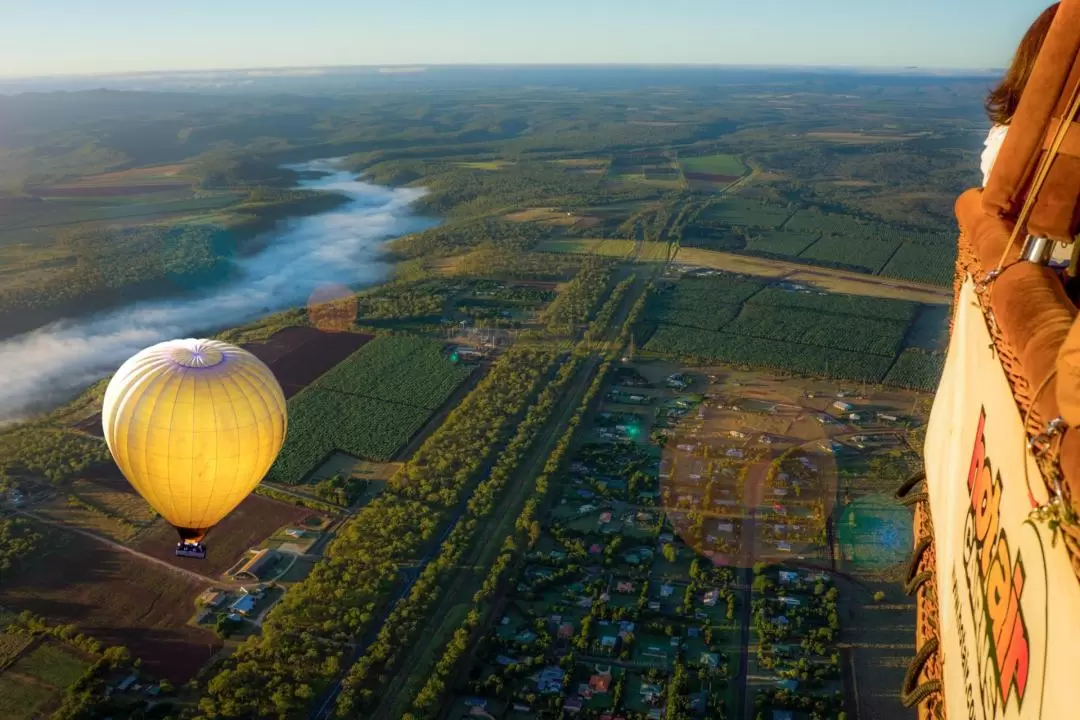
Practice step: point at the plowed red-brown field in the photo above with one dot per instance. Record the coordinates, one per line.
(116, 597)
(249, 524)
(296, 355)
(299, 355)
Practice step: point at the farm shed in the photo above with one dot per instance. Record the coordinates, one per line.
(256, 564)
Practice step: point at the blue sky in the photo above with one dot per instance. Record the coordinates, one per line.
(49, 37)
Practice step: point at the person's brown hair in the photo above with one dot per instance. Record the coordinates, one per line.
(1003, 100)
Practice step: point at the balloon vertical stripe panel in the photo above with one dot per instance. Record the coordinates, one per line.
(194, 425)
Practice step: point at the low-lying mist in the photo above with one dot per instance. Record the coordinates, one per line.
(50, 365)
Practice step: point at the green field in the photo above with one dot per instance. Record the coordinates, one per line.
(812, 327)
(856, 305)
(708, 347)
(36, 680)
(369, 406)
(810, 221)
(21, 699)
(607, 248)
(627, 249)
(713, 165)
(917, 369)
(69, 212)
(708, 303)
(923, 262)
(863, 254)
(930, 331)
(51, 664)
(783, 243)
(745, 213)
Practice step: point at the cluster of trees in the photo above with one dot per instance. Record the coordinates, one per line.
(87, 697)
(398, 632)
(466, 192)
(340, 490)
(92, 268)
(458, 235)
(232, 170)
(917, 369)
(42, 450)
(425, 705)
(818, 706)
(814, 620)
(576, 301)
(703, 347)
(17, 539)
(506, 262)
(306, 634)
(599, 325)
(310, 503)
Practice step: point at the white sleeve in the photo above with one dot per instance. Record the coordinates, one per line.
(993, 147)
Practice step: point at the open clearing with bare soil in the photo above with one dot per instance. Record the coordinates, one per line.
(244, 528)
(106, 505)
(116, 597)
(839, 281)
(299, 355)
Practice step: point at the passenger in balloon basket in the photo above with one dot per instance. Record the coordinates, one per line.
(191, 550)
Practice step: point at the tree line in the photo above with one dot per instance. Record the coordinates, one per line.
(305, 637)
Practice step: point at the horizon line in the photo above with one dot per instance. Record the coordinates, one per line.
(421, 67)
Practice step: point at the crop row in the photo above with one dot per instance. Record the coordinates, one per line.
(400, 629)
(305, 635)
(705, 347)
(749, 213)
(669, 311)
(857, 305)
(917, 370)
(929, 263)
(859, 253)
(369, 405)
(811, 221)
(839, 332)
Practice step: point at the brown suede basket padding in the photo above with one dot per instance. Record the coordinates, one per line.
(1068, 377)
(1046, 96)
(1036, 319)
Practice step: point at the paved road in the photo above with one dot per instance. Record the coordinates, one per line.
(512, 499)
(744, 574)
(409, 575)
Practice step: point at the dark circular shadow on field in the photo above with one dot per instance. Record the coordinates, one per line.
(743, 479)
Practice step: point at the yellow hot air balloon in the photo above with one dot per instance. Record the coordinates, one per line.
(194, 425)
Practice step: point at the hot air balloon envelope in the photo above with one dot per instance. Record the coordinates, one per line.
(194, 425)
